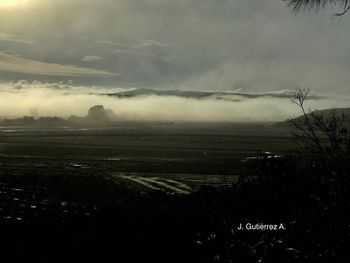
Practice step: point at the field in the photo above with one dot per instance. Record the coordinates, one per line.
(58, 183)
(193, 154)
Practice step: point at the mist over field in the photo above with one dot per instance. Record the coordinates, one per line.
(58, 99)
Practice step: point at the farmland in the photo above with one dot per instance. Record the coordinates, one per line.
(77, 185)
(208, 153)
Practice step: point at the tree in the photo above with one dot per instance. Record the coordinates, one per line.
(324, 134)
(297, 5)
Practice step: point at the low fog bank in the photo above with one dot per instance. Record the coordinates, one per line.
(64, 100)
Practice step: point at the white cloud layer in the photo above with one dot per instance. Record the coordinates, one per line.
(59, 99)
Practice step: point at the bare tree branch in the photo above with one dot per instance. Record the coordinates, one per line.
(324, 134)
(298, 5)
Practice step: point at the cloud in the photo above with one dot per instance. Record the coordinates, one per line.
(15, 64)
(150, 43)
(64, 99)
(91, 58)
(231, 96)
(11, 38)
(256, 45)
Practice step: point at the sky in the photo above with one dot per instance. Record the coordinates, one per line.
(206, 45)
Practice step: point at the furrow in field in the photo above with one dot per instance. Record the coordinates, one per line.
(157, 181)
(139, 181)
(178, 184)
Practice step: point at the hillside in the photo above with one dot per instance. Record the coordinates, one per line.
(325, 112)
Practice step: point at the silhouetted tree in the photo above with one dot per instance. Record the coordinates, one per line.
(297, 5)
(324, 134)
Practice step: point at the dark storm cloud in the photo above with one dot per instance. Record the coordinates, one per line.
(253, 45)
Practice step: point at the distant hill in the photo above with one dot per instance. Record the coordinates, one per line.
(325, 112)
(202, 94)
